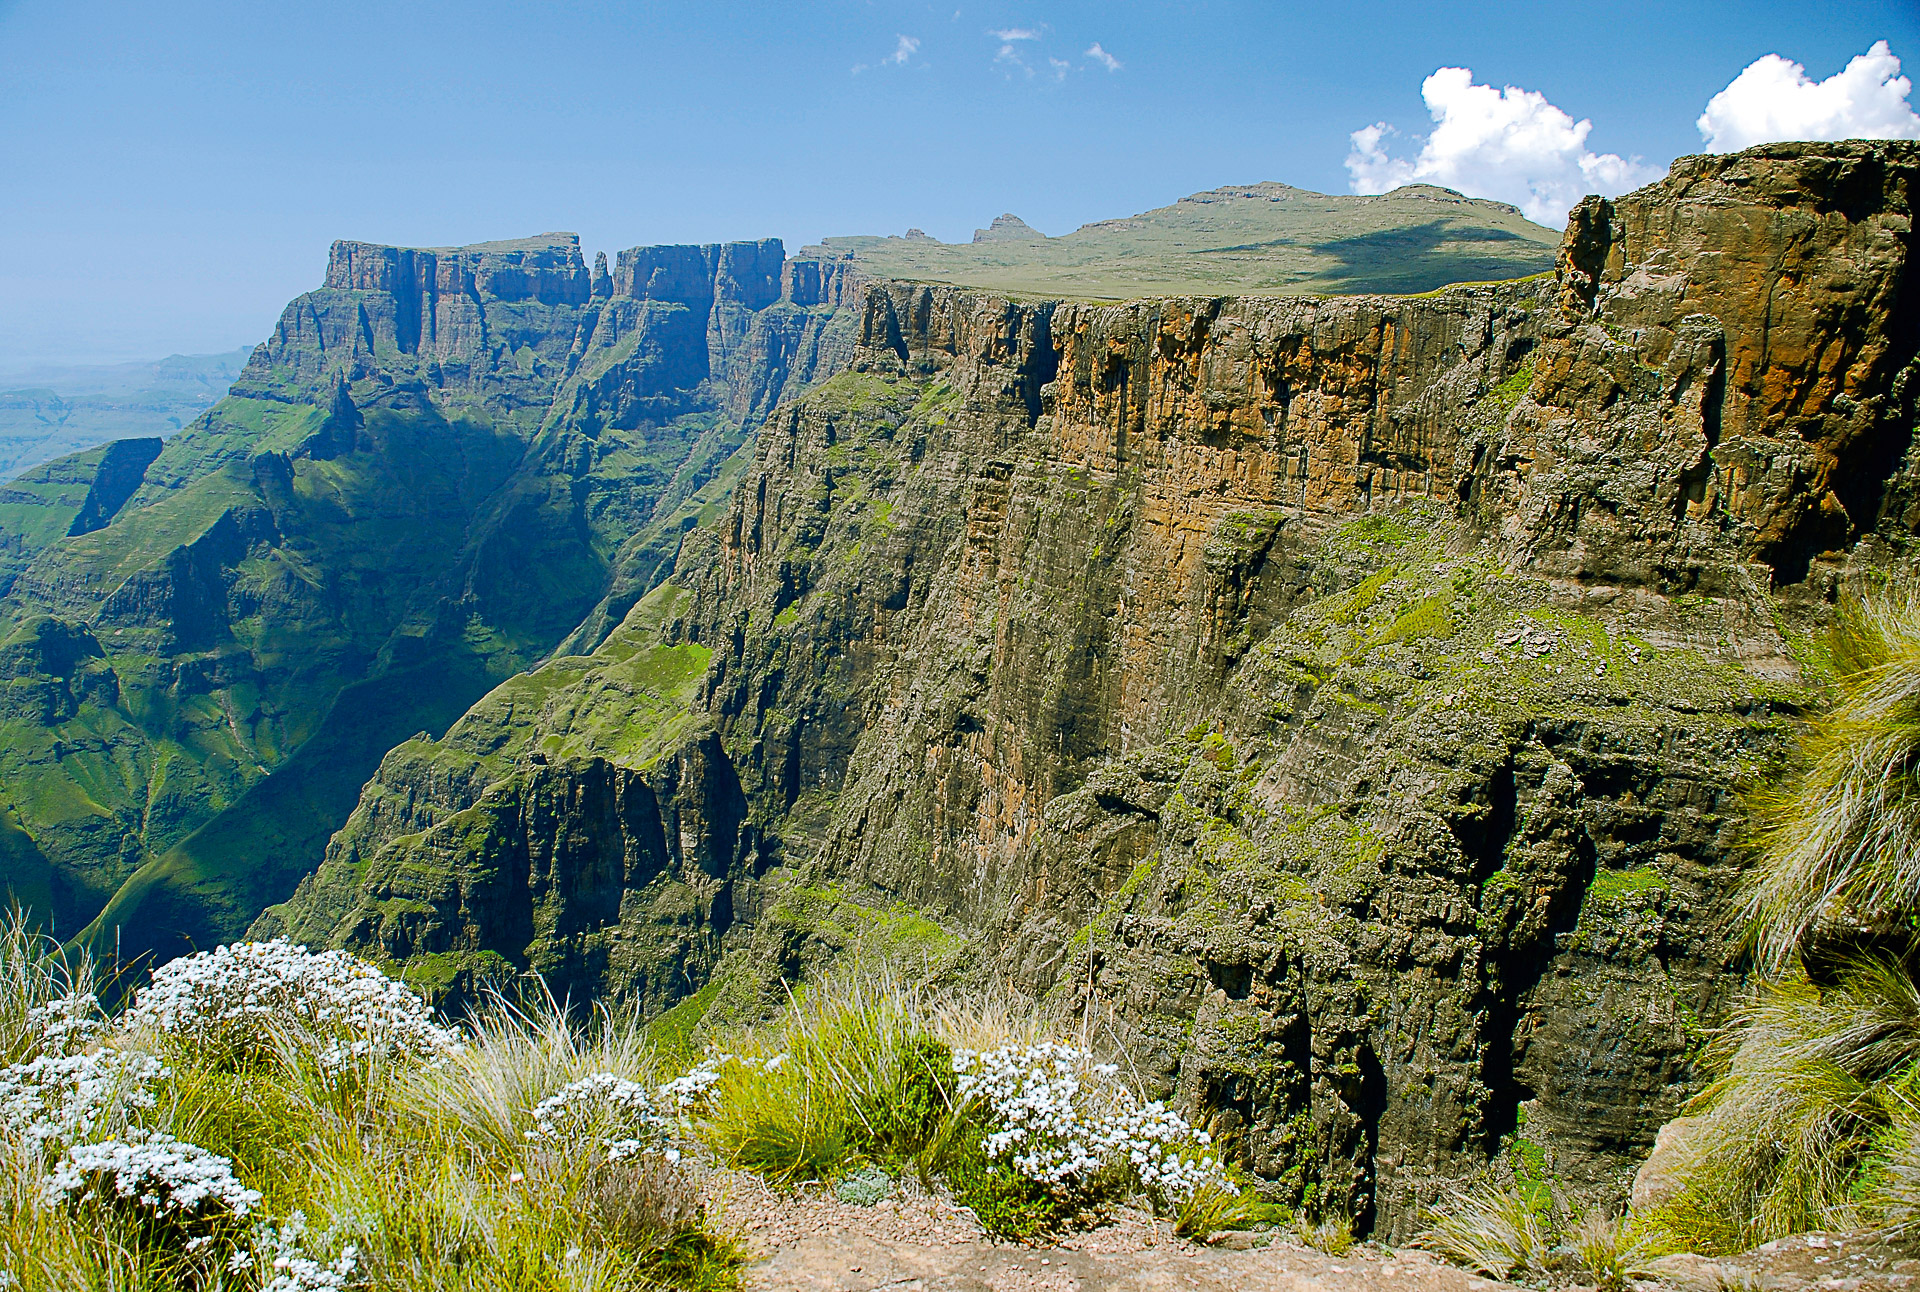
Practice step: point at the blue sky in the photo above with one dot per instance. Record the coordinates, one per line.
(175, 171)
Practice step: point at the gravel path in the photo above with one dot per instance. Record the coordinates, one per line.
(809, 1242)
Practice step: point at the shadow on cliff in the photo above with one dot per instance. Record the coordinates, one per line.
(1430, 255)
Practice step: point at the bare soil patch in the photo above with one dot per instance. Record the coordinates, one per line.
(809, 1241)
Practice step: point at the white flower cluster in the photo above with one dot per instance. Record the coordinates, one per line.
(694, 1090)
(222, 995)
(1168, 1156)
(68, 1024)
(294, 1269)
(155, 1172)
(60, 1099)
(617, 1113)
(1063, 1118)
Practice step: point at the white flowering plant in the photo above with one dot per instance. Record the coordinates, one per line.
(1057, 1132)
(61, 1099)
(343, 1007)
(313, 1083)
(283, 1259)
(68, 1024)
(606, 1112)
(693, 1092)
(179, 1194)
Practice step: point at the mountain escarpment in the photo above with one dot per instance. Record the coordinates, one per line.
(437, 467)
(1343, 701)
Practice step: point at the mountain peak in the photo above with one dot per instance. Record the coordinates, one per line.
(1008, 228)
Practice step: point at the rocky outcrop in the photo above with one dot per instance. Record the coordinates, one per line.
(122, 465)
(1007, 228)
(75, 495)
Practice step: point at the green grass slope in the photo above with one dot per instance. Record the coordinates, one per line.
(1255, 239)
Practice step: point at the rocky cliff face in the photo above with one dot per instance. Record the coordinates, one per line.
(1342, 701)
(422, 481)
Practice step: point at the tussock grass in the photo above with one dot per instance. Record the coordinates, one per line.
(1840, 840)
(1523, 1233)
(34, 970)
(519, 1053)
(1502, 1233)
(853, 1073)
(1790, 1133)
(1330, 1234)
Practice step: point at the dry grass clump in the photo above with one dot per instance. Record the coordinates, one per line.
(1523, 1233)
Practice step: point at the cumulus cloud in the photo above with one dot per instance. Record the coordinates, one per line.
(1508, 144)
(1100, 55)
(1775, 99)
(1008, 34)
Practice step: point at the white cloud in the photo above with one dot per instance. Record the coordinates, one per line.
(905, 47)
(1100, 55)
(1509, 144)
(1009, 52)
(1775, 99)
(1059, 66)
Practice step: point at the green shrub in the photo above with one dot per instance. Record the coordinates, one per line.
(1007, 1204)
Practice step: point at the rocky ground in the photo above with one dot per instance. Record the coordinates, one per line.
(809, 1241)
(1840, 1262)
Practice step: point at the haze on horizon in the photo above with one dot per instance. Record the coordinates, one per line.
(178, 174)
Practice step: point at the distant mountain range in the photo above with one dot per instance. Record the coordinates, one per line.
(48, 412)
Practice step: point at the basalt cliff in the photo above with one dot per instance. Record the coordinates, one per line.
(1344, 702)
